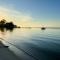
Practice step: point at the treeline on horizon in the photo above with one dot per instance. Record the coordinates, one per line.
(8, 25)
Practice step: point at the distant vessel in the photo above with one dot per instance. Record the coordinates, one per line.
(43, 28)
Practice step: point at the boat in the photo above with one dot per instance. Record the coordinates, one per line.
(43, 28)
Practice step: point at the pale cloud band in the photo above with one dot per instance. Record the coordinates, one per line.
(23, 19)
(15, 16)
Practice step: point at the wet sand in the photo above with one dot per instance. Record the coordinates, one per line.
(6, 54)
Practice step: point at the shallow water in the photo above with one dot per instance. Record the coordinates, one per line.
(33, 44)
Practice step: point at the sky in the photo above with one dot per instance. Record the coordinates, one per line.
(35, 13)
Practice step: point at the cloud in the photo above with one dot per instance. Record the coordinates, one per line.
(15, 16)
(24, 19)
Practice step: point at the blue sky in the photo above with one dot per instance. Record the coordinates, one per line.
(43, 12)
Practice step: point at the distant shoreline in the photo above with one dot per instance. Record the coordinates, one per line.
(44, 27)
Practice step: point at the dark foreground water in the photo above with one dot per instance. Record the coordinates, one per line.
(33, 44)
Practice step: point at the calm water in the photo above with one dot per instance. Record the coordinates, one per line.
(33, 44)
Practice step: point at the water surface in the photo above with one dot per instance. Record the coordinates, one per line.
(33, 44)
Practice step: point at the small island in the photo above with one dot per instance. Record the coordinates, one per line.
(7, 25)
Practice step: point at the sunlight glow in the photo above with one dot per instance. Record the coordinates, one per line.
(23, 20)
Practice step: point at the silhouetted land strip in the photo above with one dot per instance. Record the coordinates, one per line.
(53, 27)
(7, 25)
